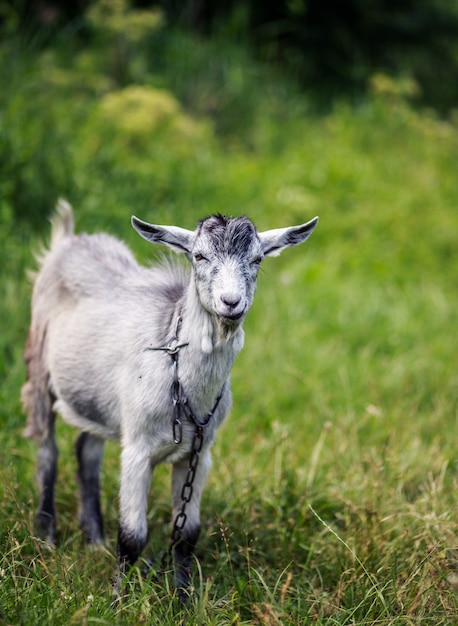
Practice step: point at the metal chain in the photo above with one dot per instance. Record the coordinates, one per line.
(181, 405)
(186, 495)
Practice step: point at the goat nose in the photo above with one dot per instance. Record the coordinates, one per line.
(231, 300)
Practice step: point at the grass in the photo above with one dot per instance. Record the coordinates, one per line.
(332, 499)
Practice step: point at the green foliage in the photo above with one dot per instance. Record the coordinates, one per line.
(334, 46)
(333, 494)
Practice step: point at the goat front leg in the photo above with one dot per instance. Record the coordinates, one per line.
(184, 550)
(136, 472)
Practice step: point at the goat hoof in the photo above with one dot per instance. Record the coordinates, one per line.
(183, 594)
(118, 592)
(150, 570)
(95, 542)
(45, 528)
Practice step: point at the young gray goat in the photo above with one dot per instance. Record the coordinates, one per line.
(142, 355)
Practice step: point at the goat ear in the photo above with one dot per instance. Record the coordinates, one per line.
(176, 238)
(276, 240)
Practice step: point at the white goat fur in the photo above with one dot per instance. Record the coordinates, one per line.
(96, 314)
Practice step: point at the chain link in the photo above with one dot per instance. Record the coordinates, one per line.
(186, 495)
(180, 407)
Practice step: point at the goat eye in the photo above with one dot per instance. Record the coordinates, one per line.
(199, 257)
(257, 260)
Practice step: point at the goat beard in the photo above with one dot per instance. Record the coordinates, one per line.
(226, 330)
(216, 331)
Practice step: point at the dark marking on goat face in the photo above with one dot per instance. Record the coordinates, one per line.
(233, 235)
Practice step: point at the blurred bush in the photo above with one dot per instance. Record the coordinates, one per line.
(124, 111)
(334, 46)
(136, 116)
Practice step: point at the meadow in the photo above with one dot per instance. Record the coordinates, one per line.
(332, 498)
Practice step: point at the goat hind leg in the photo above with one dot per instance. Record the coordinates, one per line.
(37, 400)
(89, 452)
(45, 521)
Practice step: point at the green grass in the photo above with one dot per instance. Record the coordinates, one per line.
(332, 499)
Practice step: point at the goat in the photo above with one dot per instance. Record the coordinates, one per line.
(142, 355)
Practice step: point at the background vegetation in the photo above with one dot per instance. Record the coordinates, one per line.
(333, 494)
(332, 47)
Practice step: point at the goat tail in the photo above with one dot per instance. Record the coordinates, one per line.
(36, 396)
(62, 223)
